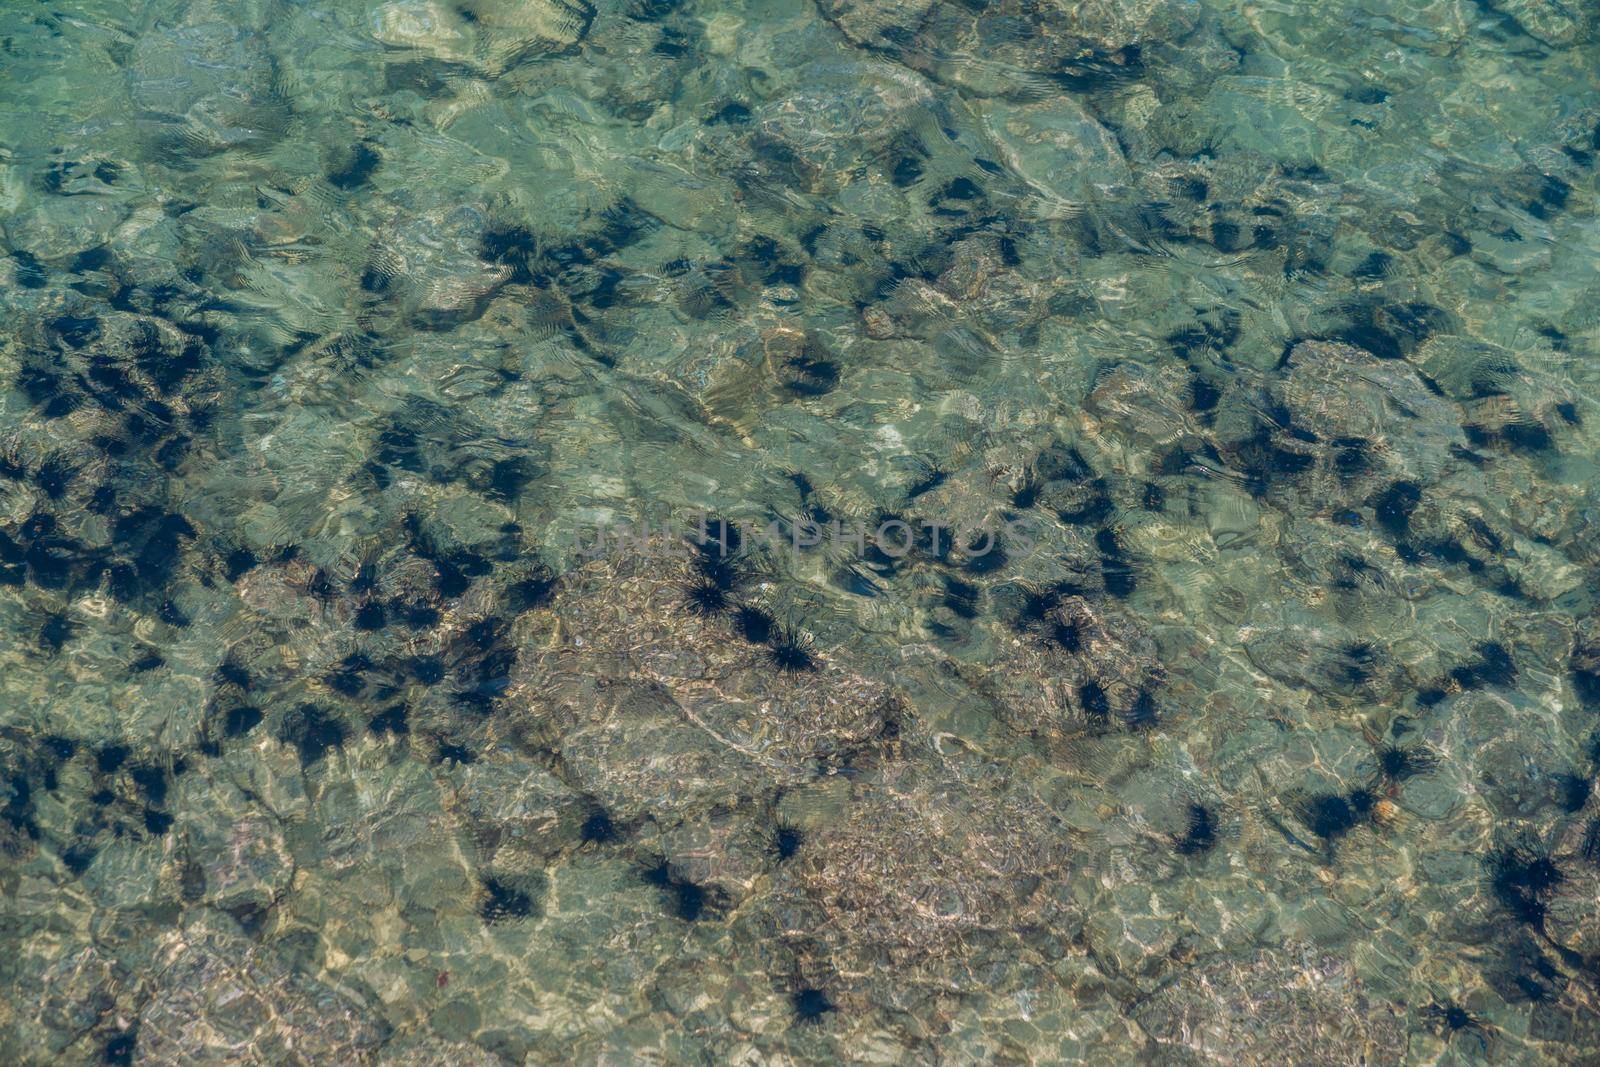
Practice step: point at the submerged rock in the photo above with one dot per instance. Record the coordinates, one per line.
(430, 266)
(482, 36)
(224, 998)
(658, 708)
(1016, 44)
(242, 860)
(1336, 390)
(209, 87)
(1057, 148)
(1551, 21)
(934, 877)
(1079, 668)
(1278, 1007)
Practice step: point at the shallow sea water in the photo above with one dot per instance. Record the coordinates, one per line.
(539, 531)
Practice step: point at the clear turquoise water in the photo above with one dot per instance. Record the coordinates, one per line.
(336, 333)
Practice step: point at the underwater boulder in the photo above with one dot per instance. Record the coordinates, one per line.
(1141, 405)
(1292, 1005)
(427, 1050)
(57, 991)
(1572, 911)
(429, 267)
(1015, 45)
(514, 31)
(1341, 393)
(425, 28)
(659, 708)
(930, 877)
(485, 37)
(514, 801)
(206, 87)
(238, 849)
(1080, 668)
(1058, 148)
(226, 999)
(386, 837)
(812, 139)
(47, 231)
(1558, 24)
